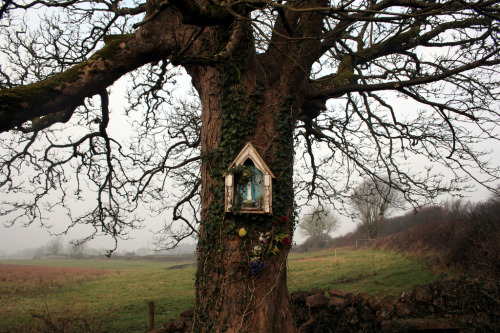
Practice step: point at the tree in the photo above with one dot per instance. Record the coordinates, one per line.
(263, 72)
(371, 201)
(318, 223)
(55, 245)
(77, 249)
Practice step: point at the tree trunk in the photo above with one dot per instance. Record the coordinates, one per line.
(240, 107)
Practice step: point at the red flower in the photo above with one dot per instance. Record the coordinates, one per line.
(285, 241)
(284, 218)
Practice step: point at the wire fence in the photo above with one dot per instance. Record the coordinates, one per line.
(364, 243)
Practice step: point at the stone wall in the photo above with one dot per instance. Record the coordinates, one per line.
(451, 305)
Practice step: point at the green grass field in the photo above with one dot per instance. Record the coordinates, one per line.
(111, 295)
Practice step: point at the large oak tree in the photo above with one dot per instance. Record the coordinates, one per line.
(319, 78)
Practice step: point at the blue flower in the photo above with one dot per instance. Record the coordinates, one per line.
(256, 266)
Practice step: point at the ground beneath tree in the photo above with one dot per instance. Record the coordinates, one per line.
(463, 304)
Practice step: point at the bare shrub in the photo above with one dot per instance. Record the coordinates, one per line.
(65, 321)
(476, 239)
(465, 236)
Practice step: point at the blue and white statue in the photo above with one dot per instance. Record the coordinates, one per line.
(251, 187)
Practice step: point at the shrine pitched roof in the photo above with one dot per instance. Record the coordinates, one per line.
(249, 152)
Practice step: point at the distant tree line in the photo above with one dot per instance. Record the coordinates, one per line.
(371, 201)
(57, 246)
(458, 234)
(461, 235)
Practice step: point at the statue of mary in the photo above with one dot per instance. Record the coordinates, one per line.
(252, 188)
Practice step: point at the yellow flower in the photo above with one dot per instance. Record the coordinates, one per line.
(242, 232)
(276, 250)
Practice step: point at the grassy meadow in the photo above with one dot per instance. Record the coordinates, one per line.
(110, 295)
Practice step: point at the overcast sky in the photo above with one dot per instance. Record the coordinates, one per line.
(18, 238)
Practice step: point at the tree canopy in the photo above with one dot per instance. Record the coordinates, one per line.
(345, 90)
(439, 57)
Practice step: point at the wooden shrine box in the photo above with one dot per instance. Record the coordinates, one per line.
(249, 184)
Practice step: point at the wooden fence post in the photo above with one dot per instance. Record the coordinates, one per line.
(151, 315)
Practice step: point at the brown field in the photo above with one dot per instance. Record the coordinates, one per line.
(16, 280)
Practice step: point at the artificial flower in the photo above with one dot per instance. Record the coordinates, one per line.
(284, 218)
(242, 232)
(256, 266)
(245, 176)
(257, 250)
(276, 250)
(285, 241)
(264, 237)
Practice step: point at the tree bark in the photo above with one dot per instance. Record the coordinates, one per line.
(240, 106)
